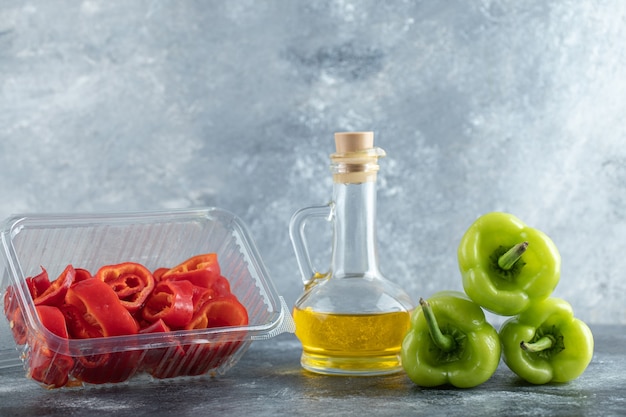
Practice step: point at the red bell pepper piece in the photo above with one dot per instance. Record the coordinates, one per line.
(162, 362)
(13, 313)
(53, 319)
(50, 368)
(219, 312)
(93, 310)
(55, 293)
(97, 311)
(132, 282)
(158, 273)
(81, 274)
(221, 285)
(204, 279)
(158, 326)
(171, 301)
(38, 284)
(17, 325)
(77, 324)
(207, 262)
(202, 295)
(203, 271)
(105, 368)
(200, 277)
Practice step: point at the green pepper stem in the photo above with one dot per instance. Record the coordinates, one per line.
(544, 343)
(444, 342)
(511, 256)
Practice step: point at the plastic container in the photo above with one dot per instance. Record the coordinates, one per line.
(153, 239)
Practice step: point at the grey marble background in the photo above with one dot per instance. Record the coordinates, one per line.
(481, 105)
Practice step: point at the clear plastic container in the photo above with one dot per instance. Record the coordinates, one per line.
(153, 239)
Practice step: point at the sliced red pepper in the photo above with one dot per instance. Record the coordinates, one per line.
(207, 262)
(202, 295)
(106, 368)
(55, 293)
(82, 274)
(92, 368)
(158, 326)
(222, 286)
(50, 368)
(100, 309)
(158, 273)
(38, 284)
(202, 278)
(13, 313)
(171, 301)
(17, 325)
(93, 310)
(219, 312)
(77, 324)
(10, 301)
(162, 362)
(203, 272)
(53, 319)
(132, 282)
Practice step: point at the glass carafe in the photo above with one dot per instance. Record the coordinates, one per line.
(351, 320)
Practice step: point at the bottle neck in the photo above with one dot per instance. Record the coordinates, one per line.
(354, 241)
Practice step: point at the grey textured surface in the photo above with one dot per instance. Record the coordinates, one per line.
(482, 105)
(268, 381)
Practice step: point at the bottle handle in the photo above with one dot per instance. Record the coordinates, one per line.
(298, 239)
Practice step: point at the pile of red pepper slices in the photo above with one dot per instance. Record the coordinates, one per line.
(123, 299)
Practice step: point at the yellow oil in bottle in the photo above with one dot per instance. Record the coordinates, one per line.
(359, 344)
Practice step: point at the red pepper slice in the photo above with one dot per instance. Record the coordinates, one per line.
(158, 326)
(207, 262)
(77, 324)
(50, 368)
(219, 312)
(202, 295)
(158, 273)
(55, 293)
(81, 274)
(99, 310)
(221, 285)
(13, 313)
(162, 362)
(93, 310)
(132, 282)
(171, 301)
(106, 368)
(202, 278)
(53, 319)
(38, 284)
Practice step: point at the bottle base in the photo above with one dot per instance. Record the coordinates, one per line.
(351, 366)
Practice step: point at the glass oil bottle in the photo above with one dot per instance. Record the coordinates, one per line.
(350, 320)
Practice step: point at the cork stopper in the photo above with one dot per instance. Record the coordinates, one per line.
(356, 159)
(353, 141)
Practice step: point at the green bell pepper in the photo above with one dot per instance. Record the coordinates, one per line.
(505, 264)
(450, 342)
(546, 343)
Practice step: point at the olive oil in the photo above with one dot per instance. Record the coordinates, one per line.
(351, 320)
(366, 344)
